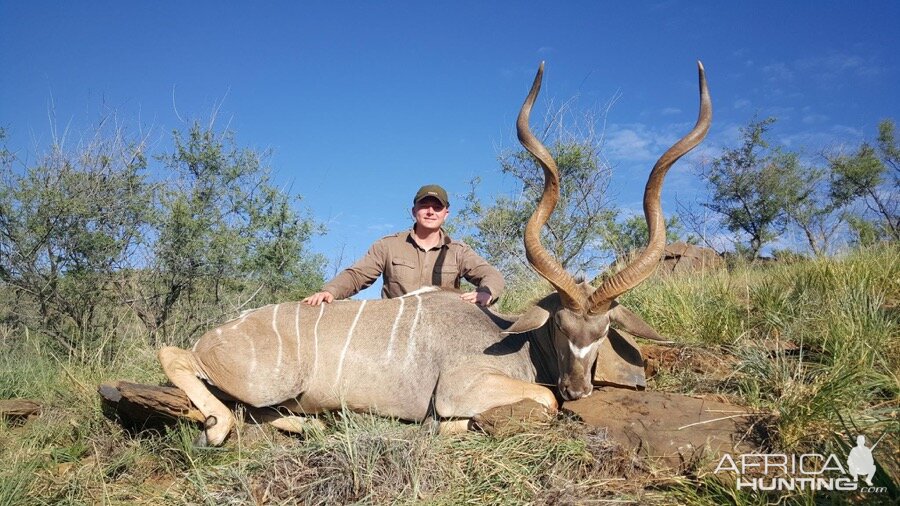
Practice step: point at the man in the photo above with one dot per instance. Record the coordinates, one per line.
(423, 256)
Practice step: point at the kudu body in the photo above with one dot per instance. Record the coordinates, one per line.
(427, 353)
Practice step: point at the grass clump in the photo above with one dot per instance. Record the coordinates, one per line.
(365, 459)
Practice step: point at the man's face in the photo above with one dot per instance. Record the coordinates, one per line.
(430, 213)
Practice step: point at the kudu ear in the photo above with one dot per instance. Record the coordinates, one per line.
(633, 324)
(536, 316)
(619, 363)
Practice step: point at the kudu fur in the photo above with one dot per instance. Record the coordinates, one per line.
(427, 353)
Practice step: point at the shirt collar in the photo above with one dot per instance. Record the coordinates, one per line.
(444, 242)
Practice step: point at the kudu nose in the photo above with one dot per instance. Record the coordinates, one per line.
(571, 392)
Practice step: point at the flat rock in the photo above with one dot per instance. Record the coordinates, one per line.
(675, 429)
(680, 257)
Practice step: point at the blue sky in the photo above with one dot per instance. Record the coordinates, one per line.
(363, 102)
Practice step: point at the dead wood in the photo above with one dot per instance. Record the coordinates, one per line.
(18, 408)
(147, 406)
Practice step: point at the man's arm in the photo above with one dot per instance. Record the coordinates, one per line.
(351, 280)
(483, 275)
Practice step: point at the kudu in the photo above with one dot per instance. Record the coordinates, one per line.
(428, 353)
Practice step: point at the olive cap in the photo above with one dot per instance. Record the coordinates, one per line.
(432, 190)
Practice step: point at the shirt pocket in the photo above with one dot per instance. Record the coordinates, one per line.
(402, 273)
(446, 275)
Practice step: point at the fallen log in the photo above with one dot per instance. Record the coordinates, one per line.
(141, 406)
(19, 408)
(147, 406)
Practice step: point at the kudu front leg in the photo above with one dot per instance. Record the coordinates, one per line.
(181, 369)
(489, 391)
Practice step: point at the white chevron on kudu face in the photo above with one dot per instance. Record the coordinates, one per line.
(457, 362)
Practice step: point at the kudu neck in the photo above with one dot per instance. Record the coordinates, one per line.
(543, 356)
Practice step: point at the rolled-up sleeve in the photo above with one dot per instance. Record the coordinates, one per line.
(360, 275)
(479, 272)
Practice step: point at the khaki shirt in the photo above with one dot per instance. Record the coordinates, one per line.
(407, 267)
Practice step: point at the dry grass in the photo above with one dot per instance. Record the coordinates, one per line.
(815, 343)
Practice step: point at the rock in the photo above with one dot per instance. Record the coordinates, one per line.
(619, 362)
(682, 257)
(676, 430)
(678, 257)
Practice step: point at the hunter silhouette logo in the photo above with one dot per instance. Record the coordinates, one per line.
(860, 461)
(809, 471)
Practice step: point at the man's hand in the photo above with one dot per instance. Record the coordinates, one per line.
(480, 298)
(318, 298)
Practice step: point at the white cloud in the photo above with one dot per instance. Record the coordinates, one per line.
(811, 141)
(637, 143)
(741, 103)
(628, 143)
(668, 111)
(812, 119)
(846, 131)
(837, 64)
(778, 73)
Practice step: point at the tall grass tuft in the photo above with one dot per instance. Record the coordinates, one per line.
(696, 309)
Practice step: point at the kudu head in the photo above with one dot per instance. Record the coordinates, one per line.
(578, 316)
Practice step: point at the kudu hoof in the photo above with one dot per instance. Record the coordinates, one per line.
(203, 439)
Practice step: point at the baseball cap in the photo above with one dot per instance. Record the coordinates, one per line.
(432, 190)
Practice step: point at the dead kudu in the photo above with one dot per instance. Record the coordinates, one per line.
(429, 354)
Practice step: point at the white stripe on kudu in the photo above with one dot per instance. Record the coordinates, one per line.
(410, 343)
(390, 348)
(297, 332)
(347, 344)
(252, 354)
(316, 341)
(278, 357)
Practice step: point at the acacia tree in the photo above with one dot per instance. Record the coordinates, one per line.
(815, 209)
(67, 223)
(871, 177)
(222, 228)
(752, 187)
(86, 229)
